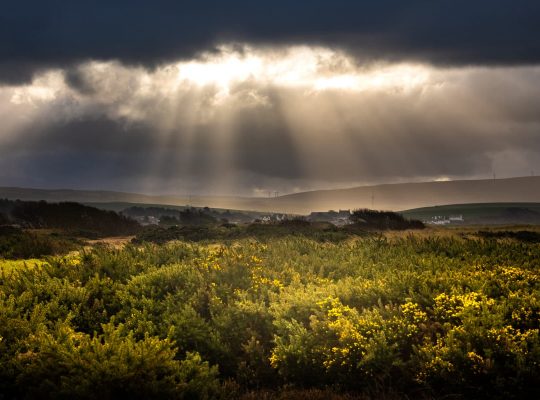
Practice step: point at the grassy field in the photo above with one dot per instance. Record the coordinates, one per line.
(431, 314)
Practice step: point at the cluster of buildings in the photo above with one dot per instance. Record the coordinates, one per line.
(146, 219)
(444, 220)
(338, 218)
(273, 218)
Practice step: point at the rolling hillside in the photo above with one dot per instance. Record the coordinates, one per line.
(414, 195)
(401, 196)
(481, 214)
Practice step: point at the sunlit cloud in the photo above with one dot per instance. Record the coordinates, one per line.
(300, 67)
(443, 179)
(253, 120)
(222, 76)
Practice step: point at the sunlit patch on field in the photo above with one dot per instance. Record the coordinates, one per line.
(10, 265)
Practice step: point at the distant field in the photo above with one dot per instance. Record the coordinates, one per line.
(482, 213)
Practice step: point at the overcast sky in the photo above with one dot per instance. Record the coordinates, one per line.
(248, 97)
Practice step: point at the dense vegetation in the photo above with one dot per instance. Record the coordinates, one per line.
(383, 220)
(189, 215)
(522, 235)
(374, 317)
(16, 243)
(363, 223)
(73, 217)
(227, 232)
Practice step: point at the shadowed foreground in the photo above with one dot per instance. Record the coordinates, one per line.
(360, 318)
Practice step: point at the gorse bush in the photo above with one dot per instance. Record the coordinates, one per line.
(66, 364)
(372, 317)
(19, 244)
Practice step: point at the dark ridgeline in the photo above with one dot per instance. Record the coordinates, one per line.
(72, 217)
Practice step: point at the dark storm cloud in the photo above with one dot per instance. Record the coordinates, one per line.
(80, 148)
(100, 149)
(38, 34)
(93, 151)
(256, 120)
(293, 140)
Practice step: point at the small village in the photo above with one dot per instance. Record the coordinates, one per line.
(444, 220)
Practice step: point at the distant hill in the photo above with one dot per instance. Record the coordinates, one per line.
(481, 214)
(81, 196)
(117, 201)
(400, 196)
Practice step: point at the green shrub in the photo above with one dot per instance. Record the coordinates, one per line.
(371, 317)
(64, 363)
